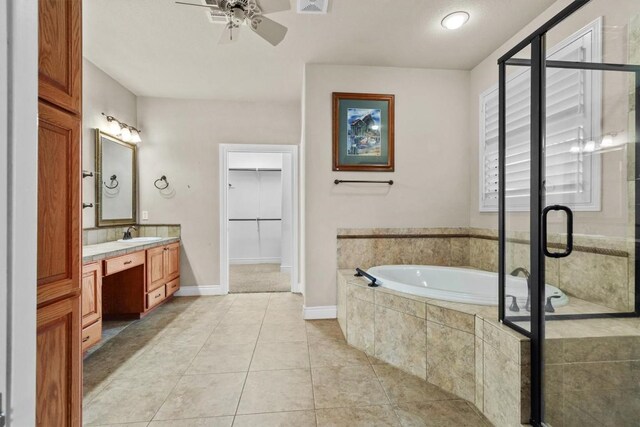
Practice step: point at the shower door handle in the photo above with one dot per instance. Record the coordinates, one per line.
(569, 247)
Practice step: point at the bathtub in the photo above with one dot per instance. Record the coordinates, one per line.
(454, 284)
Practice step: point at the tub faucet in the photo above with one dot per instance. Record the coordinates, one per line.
(127, 234)
(527, 276)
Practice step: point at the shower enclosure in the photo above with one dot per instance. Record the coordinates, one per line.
(569, 159)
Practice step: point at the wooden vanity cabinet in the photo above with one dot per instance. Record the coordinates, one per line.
(163, 272)
(91, 304)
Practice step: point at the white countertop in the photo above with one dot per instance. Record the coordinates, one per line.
(111, 249)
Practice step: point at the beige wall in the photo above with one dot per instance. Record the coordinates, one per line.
(612, 220)
(181, 140)
(100, 94)
(432, 158)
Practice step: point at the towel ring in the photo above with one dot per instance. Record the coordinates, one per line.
(166, 183)
(113, 178)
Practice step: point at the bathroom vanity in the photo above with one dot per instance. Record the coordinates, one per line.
(126, 280)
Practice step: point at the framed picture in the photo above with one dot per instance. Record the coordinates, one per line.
(363, 131)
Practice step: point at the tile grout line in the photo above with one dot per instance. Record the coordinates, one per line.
(183, 374)
(313, 392)
(246, 377)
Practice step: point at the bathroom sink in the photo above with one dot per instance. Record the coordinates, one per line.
(140, 240)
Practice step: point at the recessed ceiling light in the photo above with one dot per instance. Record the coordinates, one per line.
(455, 20)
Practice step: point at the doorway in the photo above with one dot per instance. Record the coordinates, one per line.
(258, 218)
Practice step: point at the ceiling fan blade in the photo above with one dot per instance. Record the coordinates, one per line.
(271, 6)
(268, 29)
(208, 6)
(229, 35)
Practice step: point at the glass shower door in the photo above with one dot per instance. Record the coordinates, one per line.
(515, 194)
(588, 225)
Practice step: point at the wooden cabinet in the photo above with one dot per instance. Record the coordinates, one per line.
(59, 227)
(124, 262)
(59, 364)
(91, 294)
(58, 351)
(163, 268)
(172, 261)
(60, 53)
(155, 268)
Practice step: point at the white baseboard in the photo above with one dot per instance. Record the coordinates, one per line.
(286, 269)
(241, 261)
(323, 312)
(196, 291)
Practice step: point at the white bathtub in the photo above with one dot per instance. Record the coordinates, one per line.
(456, 284)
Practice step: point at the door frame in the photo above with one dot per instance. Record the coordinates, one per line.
(19, 216)
(225, 150)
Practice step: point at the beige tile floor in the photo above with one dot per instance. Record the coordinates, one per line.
(248, 278)
(251, 360)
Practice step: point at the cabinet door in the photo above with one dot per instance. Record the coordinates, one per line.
(172, 262)
(155, 268)
(91, 294)
(60, 53)
(59, 227)
(58, 364)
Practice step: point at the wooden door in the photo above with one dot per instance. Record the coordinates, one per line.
(172, 262)
(91, 294)
(60, 53)
(58, 364)
(155, 268)
(59, 228)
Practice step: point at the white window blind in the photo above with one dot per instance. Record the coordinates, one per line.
(572, 169)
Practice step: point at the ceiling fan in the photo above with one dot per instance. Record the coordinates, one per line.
(237, 12)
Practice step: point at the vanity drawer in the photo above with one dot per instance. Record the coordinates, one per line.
(124, 262)
(173, 286)
(156, 297)
(91, 335)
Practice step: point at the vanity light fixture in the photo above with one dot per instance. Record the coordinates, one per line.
(122, 130)
(455, 20)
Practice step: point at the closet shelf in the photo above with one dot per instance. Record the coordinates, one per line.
(255, 219)
(254, 170)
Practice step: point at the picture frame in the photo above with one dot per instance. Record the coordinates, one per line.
(363, 132)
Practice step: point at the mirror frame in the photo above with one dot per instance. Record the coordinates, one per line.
(98, 180)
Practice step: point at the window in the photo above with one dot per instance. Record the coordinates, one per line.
(572, 167)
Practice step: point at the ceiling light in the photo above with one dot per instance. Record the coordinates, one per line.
(455, 20)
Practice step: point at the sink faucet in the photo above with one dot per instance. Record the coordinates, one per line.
(127, 234)
(527, 276)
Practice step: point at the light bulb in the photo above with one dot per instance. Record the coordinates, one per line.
(114, 127)
(135, 136)
(574, 149)
(455, 20)
(125, 134)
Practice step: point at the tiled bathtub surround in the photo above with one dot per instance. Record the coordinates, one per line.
(599, 271)
(458, 347)
(93, 236)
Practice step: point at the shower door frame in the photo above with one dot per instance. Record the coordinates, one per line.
(538, 65)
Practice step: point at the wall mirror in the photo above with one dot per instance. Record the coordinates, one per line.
(116, 175)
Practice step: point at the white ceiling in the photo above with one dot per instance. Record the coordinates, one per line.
(158, 48)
